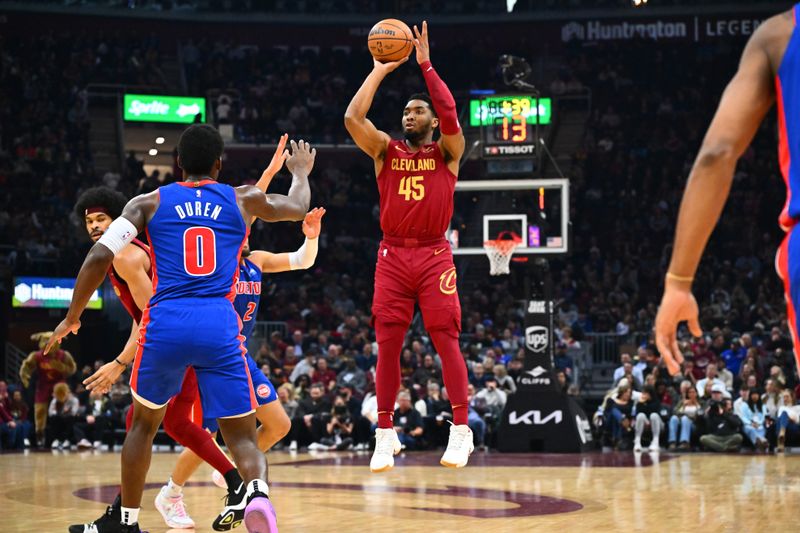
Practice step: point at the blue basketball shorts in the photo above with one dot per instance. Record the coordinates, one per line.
(262, 387)
(200, 332)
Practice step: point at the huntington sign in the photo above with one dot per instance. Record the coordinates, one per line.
(157, 108)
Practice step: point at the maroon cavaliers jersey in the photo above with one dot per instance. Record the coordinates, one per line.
(416, 192)
(122, 289)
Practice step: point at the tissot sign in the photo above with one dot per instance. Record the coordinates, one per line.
(694, 28)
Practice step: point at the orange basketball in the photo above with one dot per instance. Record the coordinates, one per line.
(390, 40)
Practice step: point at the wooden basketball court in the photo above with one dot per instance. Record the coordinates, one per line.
(45, 492)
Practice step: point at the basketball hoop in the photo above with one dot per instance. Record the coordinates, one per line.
(500, 250)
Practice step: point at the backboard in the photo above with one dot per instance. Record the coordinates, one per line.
(536, 210)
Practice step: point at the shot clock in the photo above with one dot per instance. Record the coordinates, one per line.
(509, 123)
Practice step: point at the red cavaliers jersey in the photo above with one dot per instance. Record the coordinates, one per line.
(416, 191)
(122, 289)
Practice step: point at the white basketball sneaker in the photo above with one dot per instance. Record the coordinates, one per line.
(387, 445)
(173, 510)
(459, 446)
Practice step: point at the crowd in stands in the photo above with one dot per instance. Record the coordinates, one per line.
(647, 121)
(729, 395)
(75, 418)
(45, 153)
(264, 88)
(446, 7)
(326, 384)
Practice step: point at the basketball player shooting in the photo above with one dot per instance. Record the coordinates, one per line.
(416, 180)
(769, 71)
(197, 230)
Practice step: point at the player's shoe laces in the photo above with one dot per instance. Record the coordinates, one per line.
(459, 446)
(387, 445)
(259, 516)
(173, 510)
(108, 523)
(232, 514)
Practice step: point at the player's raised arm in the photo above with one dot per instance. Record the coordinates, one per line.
(746, 100)
(278, 207)
(275, 164)
(300, 259)
(366, 136)
(452, 141)
(120, 233)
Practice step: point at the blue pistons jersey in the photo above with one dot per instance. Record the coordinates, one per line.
(248, 294)
(196, 237)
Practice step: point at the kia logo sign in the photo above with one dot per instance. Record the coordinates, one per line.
(535, 418)
(536, 338)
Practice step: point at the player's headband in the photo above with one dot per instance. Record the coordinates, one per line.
(96, 209)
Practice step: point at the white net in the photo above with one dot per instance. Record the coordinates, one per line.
(499, 253)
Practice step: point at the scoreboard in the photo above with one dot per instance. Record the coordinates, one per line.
(509, 123)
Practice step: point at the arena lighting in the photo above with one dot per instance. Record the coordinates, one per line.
(159, 140)
(639, 3)
(153, 151)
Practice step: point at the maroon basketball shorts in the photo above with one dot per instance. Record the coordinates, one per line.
(424, 275)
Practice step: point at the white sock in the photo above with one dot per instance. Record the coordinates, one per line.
(173, 489)
(257, 485)
(130, 516)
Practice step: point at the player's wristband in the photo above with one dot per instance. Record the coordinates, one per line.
(675, 277)
(305, 255)
(116, 360)
(119, 234)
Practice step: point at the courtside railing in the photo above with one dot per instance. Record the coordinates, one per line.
(604, 349)
(14, 359)
(263, 331)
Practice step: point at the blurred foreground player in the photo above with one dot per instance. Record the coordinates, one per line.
(196, 229)
(416, 181)
(769, 71)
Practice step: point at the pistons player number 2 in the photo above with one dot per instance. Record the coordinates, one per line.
(199, 251)
(248, 315)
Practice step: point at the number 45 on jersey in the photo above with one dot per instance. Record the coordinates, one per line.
(412, 188)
